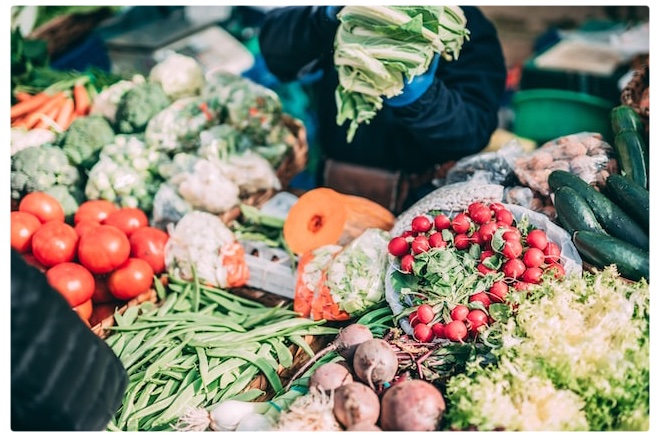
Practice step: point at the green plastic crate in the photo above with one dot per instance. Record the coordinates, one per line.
(545, 114)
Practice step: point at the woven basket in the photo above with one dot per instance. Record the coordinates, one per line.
(294, 162)
(101, 328)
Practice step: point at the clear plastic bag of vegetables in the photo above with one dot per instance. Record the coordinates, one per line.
(465, 268)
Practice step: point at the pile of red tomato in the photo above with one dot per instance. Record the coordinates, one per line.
(518, 259)
(108, 255)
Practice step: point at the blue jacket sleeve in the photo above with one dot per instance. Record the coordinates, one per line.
(297, 40)
(459, 112)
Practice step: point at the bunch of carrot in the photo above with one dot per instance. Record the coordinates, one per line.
(50, 109)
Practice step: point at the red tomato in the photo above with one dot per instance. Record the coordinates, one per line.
(127, 219)
(72, 281)
(96, 210)
(148, 243)
(537, 238)
(423, 333)
(85, 225)
(101, 291)
(456, 331)
(43, 206)
(85, 310)
(421, 224)
(459, 312)
(23, 227)
(533, 257)
(398, 246)
(131, 279)
(54, 242)
(103, 249)
(461, 223)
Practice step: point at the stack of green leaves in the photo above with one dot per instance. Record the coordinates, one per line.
(378, 47)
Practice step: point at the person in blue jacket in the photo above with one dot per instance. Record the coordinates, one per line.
(448, 113)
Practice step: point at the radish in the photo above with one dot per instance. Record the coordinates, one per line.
(441, 222)
(413, 405)
(476, 319)
(537, 238)
(346, 342)
(425, 313)
(420, 244)
(436, 240)
(461, 223)
(375, 362)
(356, 403)
(481, 297)
(533, 257)
(456, 330)
(407, 263)
(423, 333)
(459, 312)
(398, 246)
(461, 241)
(498, 291)
(421, 224)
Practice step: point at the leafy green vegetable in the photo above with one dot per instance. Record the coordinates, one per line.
(378, 47)
(580, 342)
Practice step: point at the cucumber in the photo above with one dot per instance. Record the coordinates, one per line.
(631, 197)
(574, 213)
(623, 118)
(610, 216)
(631, 156)
(603, 250)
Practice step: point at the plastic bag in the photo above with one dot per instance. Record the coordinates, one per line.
(584, 154)
(570, 258)
(492, 167)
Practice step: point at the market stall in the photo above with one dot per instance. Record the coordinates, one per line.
(164, 201)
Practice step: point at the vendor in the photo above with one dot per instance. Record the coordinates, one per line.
(447, 113)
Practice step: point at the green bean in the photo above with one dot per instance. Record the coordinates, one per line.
(143, 399)
(228, 377)
(163, 361)
(196, 291)
(168, 389)
(240, 383)
(284, 355)
(154, 408)
(128, 360)
(225, 366)
(160, 290)
(260, 362)
(118, 344)
(135, 342)
(138, 326)
(197, 319)
(148, 357)
(128, 405)
(167, 305)
(301, 343)
(203, 366)
(128, 317)
(184, 398)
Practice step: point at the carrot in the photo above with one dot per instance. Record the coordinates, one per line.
(32, 118)
(65, 116)
(22, 96)
(48, 118)
(22, 108)
(81, 99)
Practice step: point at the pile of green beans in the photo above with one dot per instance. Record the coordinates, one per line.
(201, 346)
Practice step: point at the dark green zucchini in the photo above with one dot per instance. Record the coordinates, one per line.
(603, 250)
(629, 147)
(610, 216)
(631, 197)
(573, 212)
(624, 118)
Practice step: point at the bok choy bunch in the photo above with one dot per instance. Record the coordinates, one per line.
(378, 47)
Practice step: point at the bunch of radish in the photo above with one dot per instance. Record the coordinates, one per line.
(506, 254)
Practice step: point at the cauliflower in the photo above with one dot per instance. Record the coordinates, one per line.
(179, 75)
(22, 138)
(126, 173)
(105, 104)
(39, 168)
(138, 105)
(84, 139)
(249, 172)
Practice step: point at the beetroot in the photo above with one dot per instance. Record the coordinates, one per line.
(330, 376)
(375, 362)
(356, 403)
(413, 405)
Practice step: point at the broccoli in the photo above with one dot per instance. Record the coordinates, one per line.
(138, 105)
(39, 168)
(84, 139)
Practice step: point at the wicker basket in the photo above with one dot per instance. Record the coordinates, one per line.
(293, 163)
(101, 327)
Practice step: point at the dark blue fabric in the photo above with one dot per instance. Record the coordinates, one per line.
(454, 118)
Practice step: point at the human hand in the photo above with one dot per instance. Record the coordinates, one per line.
(414, 89)
(332, 11)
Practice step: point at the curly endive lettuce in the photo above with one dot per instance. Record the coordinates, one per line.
(588, 335)
(378, 47)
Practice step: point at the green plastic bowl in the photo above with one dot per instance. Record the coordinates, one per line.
(545, 114)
